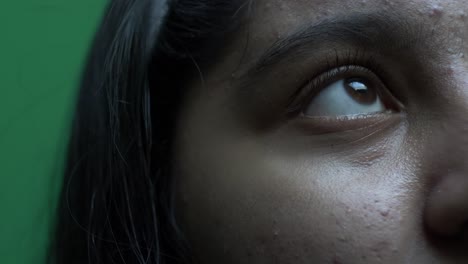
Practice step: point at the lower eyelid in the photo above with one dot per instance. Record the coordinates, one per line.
(324, 125)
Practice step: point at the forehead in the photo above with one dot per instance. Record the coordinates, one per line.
(273, 20)
(291, 11)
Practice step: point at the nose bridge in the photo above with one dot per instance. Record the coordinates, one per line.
(445, 156)
(448, 125)
(452, 138)
(454, 131)
(446, 133)
(446, 161)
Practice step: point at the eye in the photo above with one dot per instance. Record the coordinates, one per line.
(347, 97)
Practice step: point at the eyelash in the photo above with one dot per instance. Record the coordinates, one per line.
(336, 67)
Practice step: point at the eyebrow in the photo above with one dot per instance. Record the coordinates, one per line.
(386, 31)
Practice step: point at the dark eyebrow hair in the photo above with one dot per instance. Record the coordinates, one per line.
(387, 31)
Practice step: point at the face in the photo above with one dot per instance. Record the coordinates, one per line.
(331, 132)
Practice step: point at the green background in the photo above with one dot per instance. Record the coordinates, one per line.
(43, 44)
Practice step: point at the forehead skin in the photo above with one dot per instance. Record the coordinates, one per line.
(253, 187)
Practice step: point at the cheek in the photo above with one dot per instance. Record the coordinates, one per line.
(247, 203)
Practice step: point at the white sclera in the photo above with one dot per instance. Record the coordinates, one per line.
(334, 100)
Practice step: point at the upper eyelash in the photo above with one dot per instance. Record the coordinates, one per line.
(354, 58)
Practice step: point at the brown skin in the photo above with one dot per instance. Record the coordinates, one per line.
(257, 186)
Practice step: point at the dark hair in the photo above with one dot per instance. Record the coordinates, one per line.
(116, 204)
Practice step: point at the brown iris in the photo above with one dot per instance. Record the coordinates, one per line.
(360, 91)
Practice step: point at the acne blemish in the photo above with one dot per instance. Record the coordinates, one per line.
(384, 212)
(388, 3)
(278, 36)
(283, 6)
(249, 252)
(336, 260)
(462, 15)
(275, 234)
(436, 11)
(348, 209)
(450, 70)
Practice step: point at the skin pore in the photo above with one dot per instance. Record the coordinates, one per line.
(271, 168)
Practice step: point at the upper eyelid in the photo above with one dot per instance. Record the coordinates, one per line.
(308, 67)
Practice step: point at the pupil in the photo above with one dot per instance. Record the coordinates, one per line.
(360, 92)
